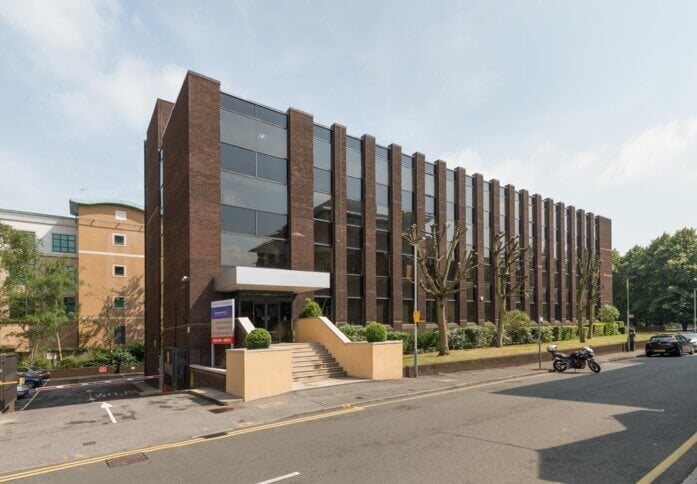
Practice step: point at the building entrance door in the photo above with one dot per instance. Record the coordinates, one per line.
(272, 314)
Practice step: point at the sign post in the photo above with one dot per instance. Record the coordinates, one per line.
(222, 324)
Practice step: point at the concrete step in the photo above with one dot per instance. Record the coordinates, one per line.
(311, 361)
(316, 366)
(312, 357)
(319, 377)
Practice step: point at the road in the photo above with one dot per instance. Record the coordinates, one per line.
(83, 390)
(612, 427)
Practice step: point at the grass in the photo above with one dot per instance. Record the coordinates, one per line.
(511, 350)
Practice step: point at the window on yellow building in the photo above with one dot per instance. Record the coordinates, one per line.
(119, 240)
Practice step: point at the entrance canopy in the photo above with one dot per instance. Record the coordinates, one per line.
(264, 279)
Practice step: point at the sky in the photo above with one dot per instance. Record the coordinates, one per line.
(590, 103)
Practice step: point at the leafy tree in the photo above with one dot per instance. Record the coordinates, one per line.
(18, 255)
(661, 279)
(440, 274)
(608, 313)
(506, 257)
(588, 291)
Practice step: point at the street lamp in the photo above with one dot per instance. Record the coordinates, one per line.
(694, 304)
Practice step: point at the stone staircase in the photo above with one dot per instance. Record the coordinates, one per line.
(312, 362)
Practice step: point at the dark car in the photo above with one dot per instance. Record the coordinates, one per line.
(32, 379)
(44, 374)
(692, 336)
(669, 344)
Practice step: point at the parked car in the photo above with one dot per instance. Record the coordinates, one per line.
(22, 391)
(674, 344)
(691, 336)
(45, 374)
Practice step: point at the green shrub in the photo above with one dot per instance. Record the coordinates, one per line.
(258, 338)
(546, 332)
(350, 331)
(72, 362)
(121, 357)
(457, 340)
(99, 357)
(610, 328)
(407, 340)
(470, 337)
(516, 325)
(375, 332)
(608, 313)
(568, 332)
(312, 309)
(429, 341)
(138, 351)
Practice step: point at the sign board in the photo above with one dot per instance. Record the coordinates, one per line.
(417, 316)
(103, 369)
(223, 322)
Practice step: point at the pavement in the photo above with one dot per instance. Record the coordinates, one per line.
(616, 426)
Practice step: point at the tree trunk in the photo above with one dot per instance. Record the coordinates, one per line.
(442, 327)
(499, 327)
(579, 324)
(591, 320)
(60, 350)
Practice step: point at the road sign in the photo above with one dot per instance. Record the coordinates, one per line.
(222, 322)
(416, 315)
(103, 369)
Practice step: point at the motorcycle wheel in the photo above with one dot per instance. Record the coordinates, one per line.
(595, 367)
(559, 366)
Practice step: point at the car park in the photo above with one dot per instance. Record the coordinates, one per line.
(669, 344)
(44, 374)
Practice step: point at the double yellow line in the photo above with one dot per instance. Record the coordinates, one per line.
(195, 440)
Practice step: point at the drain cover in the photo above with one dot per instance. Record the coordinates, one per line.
(221, 409)
(91, 442)
(126, 460)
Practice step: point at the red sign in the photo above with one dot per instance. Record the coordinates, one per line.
(103, 369)
(223, 340)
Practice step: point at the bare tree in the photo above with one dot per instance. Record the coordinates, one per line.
(587, 291)
(506, 257)
(441, 275)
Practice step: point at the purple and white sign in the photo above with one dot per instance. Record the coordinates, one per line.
(223, 322)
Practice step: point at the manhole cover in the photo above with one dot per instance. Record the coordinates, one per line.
(221, 409)
(126, 460)
(91, 442)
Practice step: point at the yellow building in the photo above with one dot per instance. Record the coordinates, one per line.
(110, 238)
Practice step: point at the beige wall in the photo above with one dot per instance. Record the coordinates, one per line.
(252, 374)
(98, 255)
(377, 361)
(10, 337)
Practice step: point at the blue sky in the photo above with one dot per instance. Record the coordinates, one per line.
(591, 103)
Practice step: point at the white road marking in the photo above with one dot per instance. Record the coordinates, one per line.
(280, 478)
(106, 406)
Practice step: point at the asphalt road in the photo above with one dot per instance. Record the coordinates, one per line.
(612, 427)
(89, 390)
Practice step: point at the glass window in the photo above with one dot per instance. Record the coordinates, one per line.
(430, 204)
(382, 171)
(239, 160)
(408, 311)
(322, 133)
(355, 288)
(382, 196)
(407, 161)
(353, 237)
(323, 259)
(407, 201)
(322, 181)
(272, 168)
(255, 135)
(272, 225)
(69, 304)
(382, 311)
(382, 287)
(355, 311)
(119, 240)
(119, 271)
(322, 155)
(382, 264)
(450, 210)
(236, 219)
(430, 168)
(119, 302)
(381, 152)
(251, 251)
(322, 206)
(323, 232)
(353, 143)
(450, 190)
(354, 261)
(407, 182)
(382, 241)
(271, 116)
(235, 104)
(248, 192)
(354, 214)
(63, 243)
(353, 188)
(382, 220)
(430, 185)
(408, 220)
(353, 164)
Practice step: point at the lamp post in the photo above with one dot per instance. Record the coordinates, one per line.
(539, 343)
(694, 304)
(627, 329)
(416, 312)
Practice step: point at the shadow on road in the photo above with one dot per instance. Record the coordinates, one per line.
(663, 391)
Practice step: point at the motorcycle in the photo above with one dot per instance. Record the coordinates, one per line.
(576, 360)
